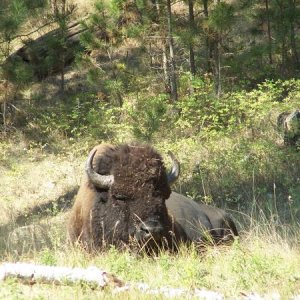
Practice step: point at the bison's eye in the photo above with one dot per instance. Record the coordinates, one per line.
(121, 197)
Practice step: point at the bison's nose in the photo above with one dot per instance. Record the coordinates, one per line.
(151, 228)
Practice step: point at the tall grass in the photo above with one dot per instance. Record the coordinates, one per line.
(265, 259)
(255, 179)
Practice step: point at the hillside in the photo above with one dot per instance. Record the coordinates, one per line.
(221, 122)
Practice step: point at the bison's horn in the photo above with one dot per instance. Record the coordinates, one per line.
(174, 173)
(100, 181)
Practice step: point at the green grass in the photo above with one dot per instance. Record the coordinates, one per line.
(252, 265)
(38, 188)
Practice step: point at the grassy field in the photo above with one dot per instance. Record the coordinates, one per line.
(231, 152)
(37, 190)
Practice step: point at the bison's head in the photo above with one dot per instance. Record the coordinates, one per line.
(131, 202)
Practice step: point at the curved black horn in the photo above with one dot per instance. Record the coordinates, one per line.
(100, 181)
(174, 173)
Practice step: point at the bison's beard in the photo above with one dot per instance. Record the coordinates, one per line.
(112, 224)
(151, 246)
(108, 227)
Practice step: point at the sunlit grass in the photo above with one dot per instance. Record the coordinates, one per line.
(265, 259)
(261, 261)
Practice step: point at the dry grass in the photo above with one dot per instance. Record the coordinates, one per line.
(36, 182)
(83, 7)
(265, 260)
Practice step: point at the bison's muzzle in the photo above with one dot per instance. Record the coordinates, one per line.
(149, 229)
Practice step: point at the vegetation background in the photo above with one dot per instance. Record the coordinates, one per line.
(205, 79)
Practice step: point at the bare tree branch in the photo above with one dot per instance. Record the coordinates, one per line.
(30, 33)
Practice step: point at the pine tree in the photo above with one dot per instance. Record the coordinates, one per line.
(220, 20)
(13, 14)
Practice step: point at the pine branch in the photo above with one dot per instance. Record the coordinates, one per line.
(28, 34)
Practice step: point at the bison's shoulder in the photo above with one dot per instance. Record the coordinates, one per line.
(188, 214)
(198, 219)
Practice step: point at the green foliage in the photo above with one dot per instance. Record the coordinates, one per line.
(82, 116)
(101, 26)
(203, 111)
(47, 257)
(196, 109)
(13, 14)
(221, 17)
(18, 72)
(146, 116)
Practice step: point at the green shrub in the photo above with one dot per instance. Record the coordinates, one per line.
(147, 116)
(81, 116)
(202, 111)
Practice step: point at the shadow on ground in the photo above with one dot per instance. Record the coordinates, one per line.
(38, 226)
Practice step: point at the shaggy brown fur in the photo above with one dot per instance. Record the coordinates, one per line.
(139, 201)
(79, 221)
(140, 188)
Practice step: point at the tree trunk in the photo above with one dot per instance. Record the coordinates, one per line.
(173, 83)
(269, 32)
(192, 29)
(218, 67)
(61, 16)
(165, 58)
(209, 44)
(4, 117)
(218, 62)
(283, 40)
(292, 29)
(165, 67)
(293, 46)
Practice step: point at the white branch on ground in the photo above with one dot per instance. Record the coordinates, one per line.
(48, 274)
(31, 273)
(172, 292)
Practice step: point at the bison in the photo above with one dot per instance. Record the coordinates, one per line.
(125, 199)
(289, 125)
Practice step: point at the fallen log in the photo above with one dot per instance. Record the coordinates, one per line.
(31, 274)
(97, 278)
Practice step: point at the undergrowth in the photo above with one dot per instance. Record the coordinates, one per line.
(235, 159)
(261, 261)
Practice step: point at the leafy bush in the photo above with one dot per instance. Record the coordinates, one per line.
(147, 115)
(82, 116)
(202, 110)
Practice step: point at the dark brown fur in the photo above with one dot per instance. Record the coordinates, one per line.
(106, 216)
(99, 218)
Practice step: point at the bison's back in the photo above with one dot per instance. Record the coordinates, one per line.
(200, 220)
(188, 214)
